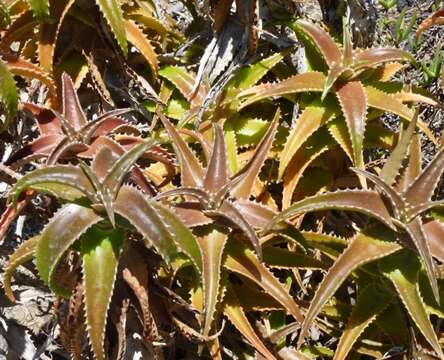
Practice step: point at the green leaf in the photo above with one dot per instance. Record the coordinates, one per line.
(71, 222)
(113, 15)
(369, 245)
(100, 251)
(402, 269)
(372, 300)
(8, 95)
(40, 8)
(22, 254)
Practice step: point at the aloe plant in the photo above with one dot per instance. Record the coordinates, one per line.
(99, 227)
(346, 73)
(409, 196)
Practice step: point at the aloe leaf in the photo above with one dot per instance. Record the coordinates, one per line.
(141, 42)
(394, 162)
(184, 82)
(48, 34)
(113, 15)
(181, 235)
(8, 95)
(40, 8)
(333, 75)
(249, 75)
(22, 254)
(370, 58)
(243, 261)
(256, 214)
(62, 176)
(231, 144)
(339, 131)
(395, 198)
(72, 111)
(317, 144)
(114, 178)
(366, 202)
(435, 19)
(414, 165)
(393, 323)
(309, 81)
(423, 187)
(402, 269)
(382, 101)
(192, 172)
(353, 102)
(217, 173)
(324, 42)
(40, 147)
(229, 211)
(138, 210)
(416, 233)
(100, 250)
(434, 232)
(235, 313)
(313, 117)
(212, 248)
(369, 245)
(250, 172)
(71, 222)
(371, 301)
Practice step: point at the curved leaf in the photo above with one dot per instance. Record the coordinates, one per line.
(324, 42)
(353, 102)
(366, 202)
(71, 222)
(8, 95)
(369, 245)
(22, 254)
(27, 69)
(416, 233)
(313, 116)
(423, 187)
(402, 269)
(250, 172)
(138, 210)
(113, 15)
(309, 81)
(217, 173)
(192, 172)
(371, 301)
(184, 82)
(212, 248)
(236, 315)
(140, 41)
(181, 235)
(370, 58)
(114, 178)
(63, 176)
(100, 251)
